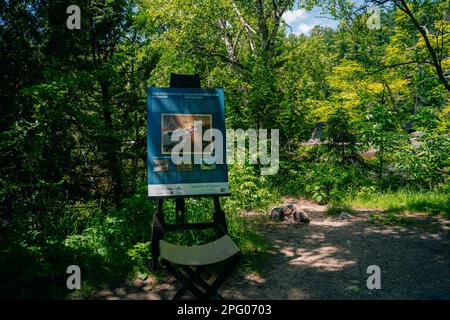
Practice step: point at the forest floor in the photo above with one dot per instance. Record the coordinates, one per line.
(328, 259)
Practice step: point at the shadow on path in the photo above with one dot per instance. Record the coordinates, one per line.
(328, 259)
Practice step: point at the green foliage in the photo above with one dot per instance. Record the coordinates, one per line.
(433, 202)
(73, 138)
(338, 208)
(326, 182)
(428, 164)
(140, 255)
(250, 190)
(340, 140)
(390, 219)
(104, 243)
(381, 131)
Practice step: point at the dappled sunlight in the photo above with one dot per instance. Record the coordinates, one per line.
(331, 222)
(297, 294)
(326, 258)
(317, 236)
(148, 289)
(383, 231)
(254, 277)
(433, 236)
(288, 252)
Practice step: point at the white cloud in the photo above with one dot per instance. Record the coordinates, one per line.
(301, 21)
(303, 28)
(292, 16)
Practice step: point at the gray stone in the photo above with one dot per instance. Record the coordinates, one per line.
(345, 215)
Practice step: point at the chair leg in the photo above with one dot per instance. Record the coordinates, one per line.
(224, 275)
(194, 275)
(185, 281)
(200, 281)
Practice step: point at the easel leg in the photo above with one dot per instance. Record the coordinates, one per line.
(219, 218)
(157, 234)
(159, 211)
(180, 211)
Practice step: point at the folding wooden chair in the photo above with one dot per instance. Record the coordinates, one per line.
(186, 263)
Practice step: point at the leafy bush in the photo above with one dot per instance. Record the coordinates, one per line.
(427, 165)
(325, 182)
(337, 208)
(250, 190)
(390, 219)
(339, 140)
(140, 255)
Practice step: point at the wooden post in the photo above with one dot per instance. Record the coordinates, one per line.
(157, 233)
(219, 218)
(180, 210)
(159, 211)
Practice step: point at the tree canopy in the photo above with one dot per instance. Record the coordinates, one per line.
(73, 125)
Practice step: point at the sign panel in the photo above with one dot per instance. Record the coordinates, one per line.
(175, 114)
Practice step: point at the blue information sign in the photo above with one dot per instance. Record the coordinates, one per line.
(177, 112)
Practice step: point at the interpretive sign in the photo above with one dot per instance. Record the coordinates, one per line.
(186, 149)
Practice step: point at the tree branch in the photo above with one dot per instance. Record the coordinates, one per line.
(398, 65)
(248, 29)
(228, 40)
(435, 61)
(203, 51)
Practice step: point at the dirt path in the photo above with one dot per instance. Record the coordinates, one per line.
(328, 260)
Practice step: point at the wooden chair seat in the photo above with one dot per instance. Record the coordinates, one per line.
(210, 253)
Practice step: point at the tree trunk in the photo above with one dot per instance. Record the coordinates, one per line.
(434, 58)
(263, 29)
(112, 146)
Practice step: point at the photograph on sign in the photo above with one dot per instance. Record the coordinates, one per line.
(180, 121)
(183, 124)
